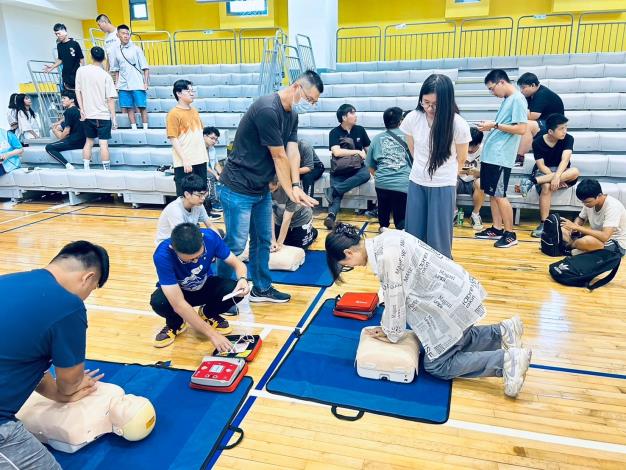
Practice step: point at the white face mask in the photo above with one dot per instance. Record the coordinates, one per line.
(302, 106)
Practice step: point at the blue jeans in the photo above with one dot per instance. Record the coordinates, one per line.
(341, 184)
(19, 449)
(248, 215)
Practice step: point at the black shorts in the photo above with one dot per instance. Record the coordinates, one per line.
(494, 179)
(100, 128)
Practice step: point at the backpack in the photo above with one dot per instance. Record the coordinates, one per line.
(552, 236)
(580, 270)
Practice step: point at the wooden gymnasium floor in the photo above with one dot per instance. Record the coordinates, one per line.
(561, 420)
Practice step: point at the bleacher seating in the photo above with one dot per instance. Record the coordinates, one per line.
(592, 86)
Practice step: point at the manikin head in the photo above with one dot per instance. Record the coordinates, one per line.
(132, 417)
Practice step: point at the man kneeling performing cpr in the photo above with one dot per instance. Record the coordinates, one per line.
(183, 265)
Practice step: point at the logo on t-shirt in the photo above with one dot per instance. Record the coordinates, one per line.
(72, 52)
(193, 282)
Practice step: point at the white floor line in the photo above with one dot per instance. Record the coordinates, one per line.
(133, 311)
(59, 206)
(485, 428)
(266, 331)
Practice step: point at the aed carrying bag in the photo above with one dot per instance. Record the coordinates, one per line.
(580, 270)
(552, 236)
(356, 305)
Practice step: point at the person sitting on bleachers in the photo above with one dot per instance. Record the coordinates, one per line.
(468, 181)
(607, 222)
(186, 208)
(355, 143)
(27, 124)
(293, 223)
(311, 168)
(10, 151)
(542, 102)
(552, 151)
(132, 77)
(212, 204)
(68, 130)
(12, 113)
(389, 161)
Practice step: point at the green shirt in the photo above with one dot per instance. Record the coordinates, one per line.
(391, 162)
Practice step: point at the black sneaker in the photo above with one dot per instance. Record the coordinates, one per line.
(519, 161)
(329, 221)
(490, 233)
(214, 216)
(507, 240)
(270, 295)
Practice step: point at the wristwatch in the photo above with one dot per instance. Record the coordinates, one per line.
(297, 184)
(496, 126)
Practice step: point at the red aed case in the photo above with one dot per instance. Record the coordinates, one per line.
(356, 305)
(219, 374)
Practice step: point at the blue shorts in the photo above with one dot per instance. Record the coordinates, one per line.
(132, 98)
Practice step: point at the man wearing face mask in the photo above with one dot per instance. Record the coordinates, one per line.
(266, 144)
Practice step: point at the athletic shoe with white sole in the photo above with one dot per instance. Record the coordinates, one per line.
(477, 222)
(512, 330)
(516, 362)
(490, 233)
(270, 295)
(507, 240)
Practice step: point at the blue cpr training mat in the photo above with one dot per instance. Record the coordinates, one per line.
(320, 368)
(189, 423)
(314, 272)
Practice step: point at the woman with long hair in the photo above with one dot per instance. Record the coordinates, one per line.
(439, 300)
(27, 125)
(12, 113)
(438, 138)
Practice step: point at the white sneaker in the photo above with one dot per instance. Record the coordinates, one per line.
(133, 127)
(145, 126)
(477, 222)
(512, 331)
(516, 362)
(69, 166)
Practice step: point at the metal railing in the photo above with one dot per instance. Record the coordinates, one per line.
(272, 66)
(293, 63)
(358, 45)
(478, 40)
(544, 34)
(305, 51)
(252, 41)
(411, 41)
(601, 35)
(156, 45)
(47, 87)
(210, 46)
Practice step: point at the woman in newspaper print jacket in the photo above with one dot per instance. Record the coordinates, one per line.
(439, 300)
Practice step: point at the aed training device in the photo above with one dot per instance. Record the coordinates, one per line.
(356, 305)
(219, 374)
(243, 347)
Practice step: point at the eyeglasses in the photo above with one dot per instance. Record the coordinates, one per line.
(492, 87)
(307, 97)
(200, 194)
(193, 260)
(432, 106)
(190, 91)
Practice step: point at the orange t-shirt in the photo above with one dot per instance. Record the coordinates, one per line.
(186, 126)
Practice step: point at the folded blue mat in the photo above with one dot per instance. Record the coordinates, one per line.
(320, 368)
(189, 427)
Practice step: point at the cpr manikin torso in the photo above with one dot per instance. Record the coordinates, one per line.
(70, 426)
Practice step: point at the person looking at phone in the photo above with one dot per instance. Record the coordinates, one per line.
(468, 181)
(186, 280)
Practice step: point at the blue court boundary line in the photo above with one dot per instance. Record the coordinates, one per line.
(579, 371)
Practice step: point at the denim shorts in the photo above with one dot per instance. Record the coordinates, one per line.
(132, 98)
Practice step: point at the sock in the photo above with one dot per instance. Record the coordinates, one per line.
(475, 213)
(133, 127)
(145, 126)
(106, 165)
(86, 164)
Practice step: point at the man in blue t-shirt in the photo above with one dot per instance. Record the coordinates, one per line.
(186, 280)
(46, 321)
(499, 153)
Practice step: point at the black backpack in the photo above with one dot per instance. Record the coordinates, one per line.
(580, 270)
(552, 236)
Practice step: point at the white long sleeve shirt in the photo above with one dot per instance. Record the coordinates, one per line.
(433, 294)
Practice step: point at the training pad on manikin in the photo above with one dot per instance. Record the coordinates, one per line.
(320, 368)
(189, 423)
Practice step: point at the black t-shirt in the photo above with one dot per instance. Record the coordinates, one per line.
(357, 134)
(250, 167)
(70, 54)
(72, 119)
(552, 155)
(546, 102)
